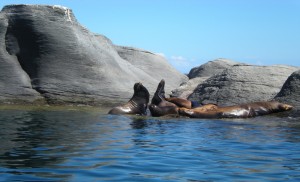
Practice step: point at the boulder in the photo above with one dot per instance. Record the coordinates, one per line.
(47, 55)
(211, 68)
(290, 91)
(199, 74)
(241, 84)
(154, 65)
(188, 87)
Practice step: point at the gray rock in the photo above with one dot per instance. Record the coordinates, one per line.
(46, 53)
(188, 87)
(199, 74)
(242, 84)
(15, 85)
(290, 91)
(211, 68)
(153, 65)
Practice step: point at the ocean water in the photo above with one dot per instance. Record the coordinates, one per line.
(74, 145)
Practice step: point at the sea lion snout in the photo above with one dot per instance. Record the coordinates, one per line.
(286, 107)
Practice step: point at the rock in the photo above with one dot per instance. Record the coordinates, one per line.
(46, 54)
(211, 68)
(242, 84)
(153, 65)
(15, 84)
(290, 91)
(199, 74)
(188, 87)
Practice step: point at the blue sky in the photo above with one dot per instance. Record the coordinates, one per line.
(191, 32)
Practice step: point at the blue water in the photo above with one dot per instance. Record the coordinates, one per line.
(90, 146)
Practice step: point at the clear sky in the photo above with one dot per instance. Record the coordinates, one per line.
(191, 32)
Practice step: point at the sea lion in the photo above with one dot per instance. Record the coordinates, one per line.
(159, 97)
(159, 105)
(137, 104)
(180, 102)
(237, 111)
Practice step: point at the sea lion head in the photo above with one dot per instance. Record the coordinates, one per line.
(141, 92)
(285, 107)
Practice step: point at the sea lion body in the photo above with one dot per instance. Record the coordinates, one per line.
(180, 102)
(137, 104)
(237, 111)
(157, 111)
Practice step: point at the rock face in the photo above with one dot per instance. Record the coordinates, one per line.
(290, 92)
(199, 74)
(211, 68)
(242, 84)
(153, 65)
(47, 56)
(187, 88)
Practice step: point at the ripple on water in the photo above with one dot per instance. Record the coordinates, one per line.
(85, 146)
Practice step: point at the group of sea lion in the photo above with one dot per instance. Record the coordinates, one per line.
(161, 106)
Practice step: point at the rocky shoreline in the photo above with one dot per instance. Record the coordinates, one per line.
(48, 58)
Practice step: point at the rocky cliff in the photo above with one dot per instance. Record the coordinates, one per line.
(46, 56)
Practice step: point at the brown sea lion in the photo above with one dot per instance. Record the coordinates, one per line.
(159, 105)
(180, 102)
(157, 111)
(237, 111)
(137, 104)
(159, 98)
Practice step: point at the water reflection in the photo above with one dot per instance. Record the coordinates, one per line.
(76, 146)
(32, 139)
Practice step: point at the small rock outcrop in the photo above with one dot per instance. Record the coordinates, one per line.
(154, 65)
(187, 88)
(290, 92)
(242, 84)
(211, 68)
(47, 56)
(199, 74)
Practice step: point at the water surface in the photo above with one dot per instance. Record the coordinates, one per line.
(65, 145)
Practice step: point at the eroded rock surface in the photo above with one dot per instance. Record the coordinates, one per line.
(211, 68)
(200, 73)
(46, 55)
(242, 84)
